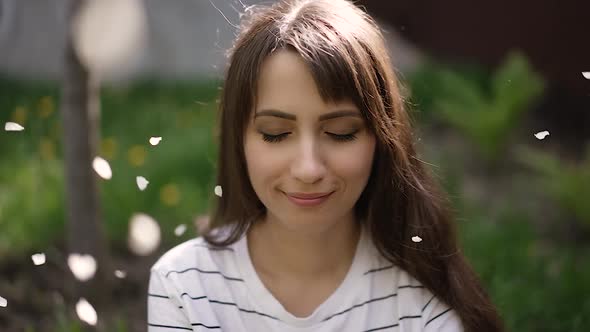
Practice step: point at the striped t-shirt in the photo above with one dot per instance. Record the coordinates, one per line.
(196, 288)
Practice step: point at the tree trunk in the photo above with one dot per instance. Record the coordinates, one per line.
(80, 111)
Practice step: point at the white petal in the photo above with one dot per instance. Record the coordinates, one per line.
(144, 234)
(109, 48)
(120, 274)
(83, 266)
(416, 239)
(3, 302)
(13, 126)
(218, 191)
(180, 229)
(542, 134)
(86, 312)
(38, 259)
(141, 182)
(102, 168)
(586, 74)
(155, 140)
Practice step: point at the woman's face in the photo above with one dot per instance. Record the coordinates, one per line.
(296, 143)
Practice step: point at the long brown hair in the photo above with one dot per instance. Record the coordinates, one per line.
(345, 51)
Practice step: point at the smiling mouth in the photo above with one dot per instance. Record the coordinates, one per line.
(316, 199)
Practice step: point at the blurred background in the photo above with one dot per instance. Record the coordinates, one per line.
(108, 150)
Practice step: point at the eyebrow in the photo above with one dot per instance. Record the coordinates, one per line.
(323, 117)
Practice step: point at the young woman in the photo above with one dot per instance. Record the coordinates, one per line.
(328, 220)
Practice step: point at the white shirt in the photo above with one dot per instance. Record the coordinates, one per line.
(196, 288)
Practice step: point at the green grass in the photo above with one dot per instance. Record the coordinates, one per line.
(536, 285)
(180, 169)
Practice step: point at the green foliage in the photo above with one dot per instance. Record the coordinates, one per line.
(567, 183)
(535, 286)
(485, 111)
(179, 169)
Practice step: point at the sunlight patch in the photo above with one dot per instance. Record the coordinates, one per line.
(13, 126)
(38, 259)
(155, 140)
(141, 182)
(144, 234)
(82, 266)
(102, 168)
(86, 312)
(542, 134)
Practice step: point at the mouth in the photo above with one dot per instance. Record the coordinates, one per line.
(305, 200)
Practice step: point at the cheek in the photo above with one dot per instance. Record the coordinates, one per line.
(261, 163)
(354, 163)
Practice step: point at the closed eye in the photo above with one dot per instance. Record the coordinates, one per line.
(336, 137)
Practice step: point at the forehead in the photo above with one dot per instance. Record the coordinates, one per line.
(286, 83)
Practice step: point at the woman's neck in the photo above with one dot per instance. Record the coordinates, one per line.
(281, 253)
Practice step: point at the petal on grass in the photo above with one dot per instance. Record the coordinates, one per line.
(86, 312)
(82, 266)
(13, 126)
(144, 234)
(542, 134)
(38, 259)
(102, 168)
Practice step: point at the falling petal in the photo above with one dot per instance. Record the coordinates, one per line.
(86, 312)
(416, 239)
(38, 259)
(3, 302)
(586, 75)
(155, 140)
(144, 234)
(120, 274)
(13, 126)
(102, 168)
(218, 191)
(542, 134)
(180, 229)
(141, 182)
(83, 266)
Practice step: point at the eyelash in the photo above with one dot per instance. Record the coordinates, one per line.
(280, 137)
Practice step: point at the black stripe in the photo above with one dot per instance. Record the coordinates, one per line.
(156, 295)
(193, 298)
(435, 317)
(171, 327)
(229, 303)
(203, 325)
(379, 269)
(203, 271)
(382, 328)
(245, 310)
(410, 286)
(212, 248)
(426, 305)
(359, 305)
(404, 317)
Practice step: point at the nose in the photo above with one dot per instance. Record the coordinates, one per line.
(308, 165)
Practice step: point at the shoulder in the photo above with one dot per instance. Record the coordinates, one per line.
(179, 256)
(418, 300)
(189, 254)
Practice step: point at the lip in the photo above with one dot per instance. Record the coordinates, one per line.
(315, 199)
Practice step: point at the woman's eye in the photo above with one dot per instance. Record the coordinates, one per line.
(280, 137)
(274, 138)
(343, 138)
